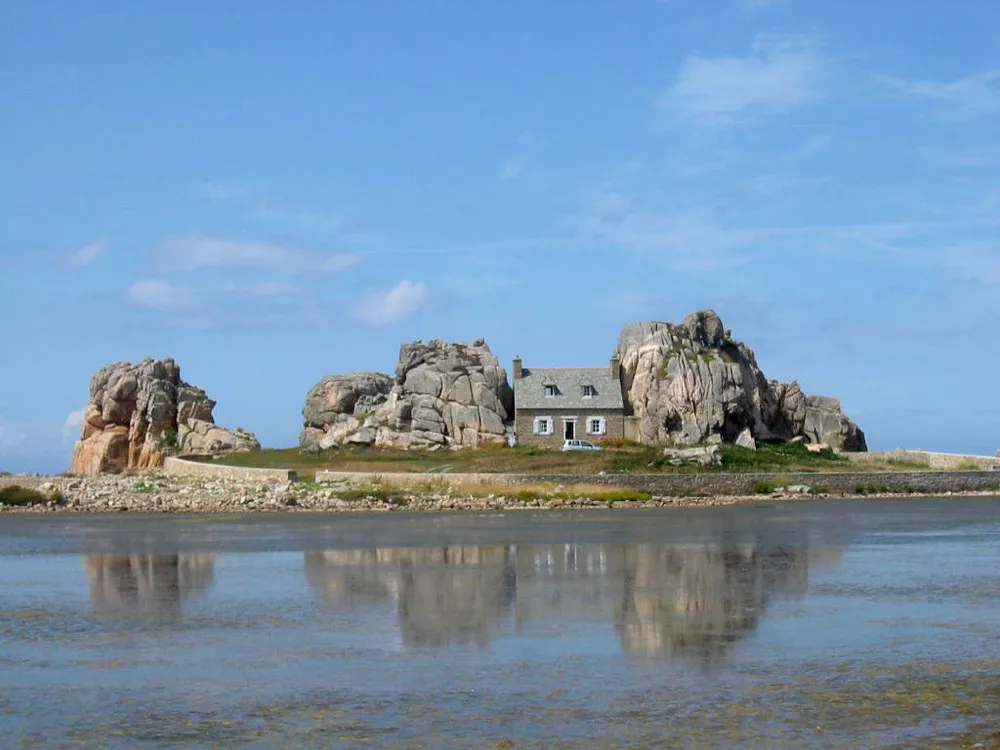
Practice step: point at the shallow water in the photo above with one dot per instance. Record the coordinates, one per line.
(820, 624)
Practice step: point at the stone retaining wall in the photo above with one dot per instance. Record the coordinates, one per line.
(705, 483)
(181, 467)
(928, 458)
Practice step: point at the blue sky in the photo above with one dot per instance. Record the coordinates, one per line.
(274, 192)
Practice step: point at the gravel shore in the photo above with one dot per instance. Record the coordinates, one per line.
(157, 493)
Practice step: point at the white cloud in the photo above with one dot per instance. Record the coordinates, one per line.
(158, 295)
(89, 252)
(398, 303)
(194, 252)
(972, 96)
(72, 424)
(783, 71)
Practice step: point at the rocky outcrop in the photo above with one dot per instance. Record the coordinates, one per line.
(140, 413)
(690, 382)
(442, 395)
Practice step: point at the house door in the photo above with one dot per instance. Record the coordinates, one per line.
(569, 428)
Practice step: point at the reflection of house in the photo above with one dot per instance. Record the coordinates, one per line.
(556, 404)
(148, 585)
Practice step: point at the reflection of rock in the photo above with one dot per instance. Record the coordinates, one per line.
(444, 596)
(146, 584)
(454, 596)
(698, 600)
(352, 578)
(667, 601)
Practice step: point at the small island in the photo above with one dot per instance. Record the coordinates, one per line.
(680, 414)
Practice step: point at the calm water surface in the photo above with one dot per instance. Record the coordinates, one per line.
(827, 624)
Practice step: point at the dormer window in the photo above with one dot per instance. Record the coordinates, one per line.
(588, 391)
(550, 390)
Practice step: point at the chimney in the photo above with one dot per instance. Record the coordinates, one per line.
(616, 367)
(517, 367)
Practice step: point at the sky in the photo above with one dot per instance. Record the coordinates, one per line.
(273, 192)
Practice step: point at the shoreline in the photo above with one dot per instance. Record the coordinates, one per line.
(161, 493)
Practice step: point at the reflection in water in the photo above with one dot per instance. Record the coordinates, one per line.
(445, 596)
(699, 600)
(148, 585)
(665, 600)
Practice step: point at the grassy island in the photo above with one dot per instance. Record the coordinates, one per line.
(624, 458)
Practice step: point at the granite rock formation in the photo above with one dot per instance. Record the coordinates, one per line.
(690, 382)
(140, 413)
(443, 395)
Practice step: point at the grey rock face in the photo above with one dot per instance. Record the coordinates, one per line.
(703, 455)
(443, 395)
(690, 382)
(140, 413)
(745, 440)
(826, 423)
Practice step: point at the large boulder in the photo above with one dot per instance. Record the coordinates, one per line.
(690, 382)
(140, 413)
(442, 395)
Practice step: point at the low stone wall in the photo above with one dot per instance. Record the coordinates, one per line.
(181, 467)
(948, 461)
(31, 481)
(704, 483)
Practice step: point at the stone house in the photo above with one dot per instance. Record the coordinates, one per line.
(554, 404)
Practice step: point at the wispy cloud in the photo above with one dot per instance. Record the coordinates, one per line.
(973, 96)
(260, 208)
(159, 295)
(755, 6)
(226, 305)
(782, 72)
(72, 424)
(398, 303)
(89, 253)
(222, 191)
(684, 240)
(10, 437)
(526, 145)
(339, 224)
(195, 252)
(262, 289)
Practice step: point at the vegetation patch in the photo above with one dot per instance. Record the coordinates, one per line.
(618, 457)
(770, 456)
(17, 496)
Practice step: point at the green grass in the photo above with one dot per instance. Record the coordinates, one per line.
(523, 493)
(15, 495)
(626, 458)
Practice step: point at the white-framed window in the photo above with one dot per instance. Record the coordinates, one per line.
(550, 390)
(543, 425)
(588, 391)
(596, 425)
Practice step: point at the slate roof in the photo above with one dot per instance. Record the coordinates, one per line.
(529, 390)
